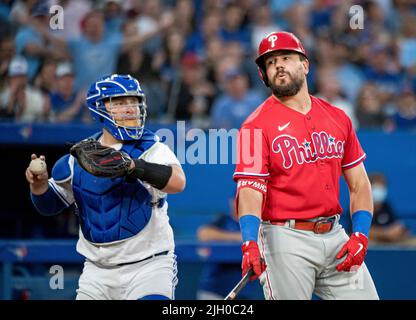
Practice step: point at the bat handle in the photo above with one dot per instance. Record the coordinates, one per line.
(240, 285)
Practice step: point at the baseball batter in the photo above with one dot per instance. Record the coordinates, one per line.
(292, 151)
(124, 228)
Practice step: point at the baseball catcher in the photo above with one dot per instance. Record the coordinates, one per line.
(118, 179)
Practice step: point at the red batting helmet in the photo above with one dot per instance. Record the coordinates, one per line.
(277, 41)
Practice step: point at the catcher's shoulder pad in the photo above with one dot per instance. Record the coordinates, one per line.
(61, 170)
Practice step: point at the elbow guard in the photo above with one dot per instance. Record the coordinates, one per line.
(157, 175)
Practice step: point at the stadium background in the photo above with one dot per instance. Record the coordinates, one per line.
(198, 68)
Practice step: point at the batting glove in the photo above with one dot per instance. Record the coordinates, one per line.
(356, 249)
(252, 259)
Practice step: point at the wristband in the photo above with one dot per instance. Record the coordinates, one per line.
(249, 226)
(157, 175)
(361, 222)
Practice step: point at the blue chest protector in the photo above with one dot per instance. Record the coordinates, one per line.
(113, 209)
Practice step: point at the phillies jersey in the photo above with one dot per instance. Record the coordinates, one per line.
(300, 156)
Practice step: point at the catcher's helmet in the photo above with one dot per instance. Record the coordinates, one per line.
(277, 41)
(113, 86)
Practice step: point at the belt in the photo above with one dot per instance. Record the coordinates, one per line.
(322, 225)
(150, 257)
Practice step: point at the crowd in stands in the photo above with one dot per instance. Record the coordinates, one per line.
(195, 58)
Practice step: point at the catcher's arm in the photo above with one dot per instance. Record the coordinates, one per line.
(106, 162)
(167, 178)
(43, 196)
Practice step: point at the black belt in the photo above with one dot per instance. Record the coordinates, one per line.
(155, 255)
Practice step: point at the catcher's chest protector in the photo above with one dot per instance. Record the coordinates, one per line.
(112, 209)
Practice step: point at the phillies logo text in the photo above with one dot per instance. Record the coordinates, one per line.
(322, 146)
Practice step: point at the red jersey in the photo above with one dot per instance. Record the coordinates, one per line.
(301, 156)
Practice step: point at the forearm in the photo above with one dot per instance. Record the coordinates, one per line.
(361, 208)
(250, 203)
(361, 198)
(167, 178)
(176, 182)
(48, 203)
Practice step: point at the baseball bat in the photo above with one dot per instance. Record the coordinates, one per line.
(240, 285)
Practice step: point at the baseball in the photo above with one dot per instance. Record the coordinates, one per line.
(37, 166)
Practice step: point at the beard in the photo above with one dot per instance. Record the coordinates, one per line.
(292, 85)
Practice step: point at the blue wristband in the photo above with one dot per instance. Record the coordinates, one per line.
(249, 225)
(361, 222)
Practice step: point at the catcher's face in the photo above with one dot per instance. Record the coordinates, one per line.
(286, 72)
(124, 110)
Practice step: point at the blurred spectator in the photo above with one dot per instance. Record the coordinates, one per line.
(45, 79)
(281, 10)
(385, 225)
(18, 100)
(384, 71)
(147, 22)
(214, 54)
(405, 116)
(184, 13)
(7, 51)
(96, 53)
(237, 103)
(320, 16)
(217, 279)
(75, 11)
(32, 41)
(113, 15)
(329, 89)
(195, 94)
(233, 28)
(369, 109)
(208, 30)
(67, 104)
(170, 71)
(407, 43)
(337, 56)
(20, 11)
(5, 9)
(263, 24)
(145, 67)
(171, 56)
(235, 51)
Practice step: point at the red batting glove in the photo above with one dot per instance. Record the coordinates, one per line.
(356, 249)
(252, 259)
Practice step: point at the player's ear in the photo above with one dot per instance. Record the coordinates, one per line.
(305, 63)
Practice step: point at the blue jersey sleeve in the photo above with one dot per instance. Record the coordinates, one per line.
(49, 203)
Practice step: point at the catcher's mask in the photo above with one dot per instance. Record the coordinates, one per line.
(123, 118)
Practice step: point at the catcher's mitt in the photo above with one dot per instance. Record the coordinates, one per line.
(101, 161)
